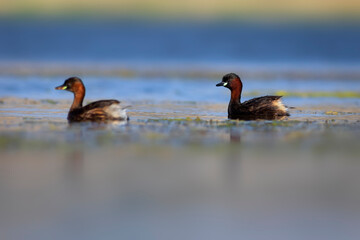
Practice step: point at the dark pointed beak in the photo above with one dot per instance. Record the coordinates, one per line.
(61, 87)
(220, 84)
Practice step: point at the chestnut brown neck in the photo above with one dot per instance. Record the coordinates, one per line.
(236, 88)
(79, 93)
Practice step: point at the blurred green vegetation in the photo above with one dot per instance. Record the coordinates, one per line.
(338, 94)
(232, 9)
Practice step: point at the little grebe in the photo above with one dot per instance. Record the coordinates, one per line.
(266, 107)
(99, 111)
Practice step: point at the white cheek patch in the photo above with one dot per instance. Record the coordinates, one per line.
(225, 84)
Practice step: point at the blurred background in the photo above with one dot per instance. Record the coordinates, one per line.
(297, 40)
(217, 35)
(179, 169)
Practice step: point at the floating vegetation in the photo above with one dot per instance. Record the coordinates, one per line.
(331, 113)
(339, 94)
(187, 119)
(227, 123)
(167, 123)
(50, 101)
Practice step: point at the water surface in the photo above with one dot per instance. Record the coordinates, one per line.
(179, 169)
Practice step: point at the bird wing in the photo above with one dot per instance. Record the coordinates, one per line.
(95, 111)
(100, 104)
(95, 114)
(261, 104)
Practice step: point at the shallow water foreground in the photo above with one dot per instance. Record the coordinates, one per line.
(192, 176)
(178, 169)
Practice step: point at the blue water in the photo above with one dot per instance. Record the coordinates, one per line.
(116, 40)
(156, 46)
(164, 89)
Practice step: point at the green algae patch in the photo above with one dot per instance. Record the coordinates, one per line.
(49, 101)
(213, 124)
(198, 120)
(331, 113)
(187, 119)
(282, 123)
(339, 94)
